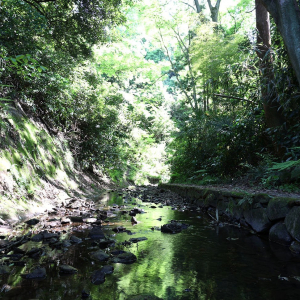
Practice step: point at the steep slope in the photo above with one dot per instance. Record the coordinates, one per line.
(37, 168)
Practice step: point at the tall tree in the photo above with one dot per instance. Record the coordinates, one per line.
(214, 10)
(271, 106)
(286, 15)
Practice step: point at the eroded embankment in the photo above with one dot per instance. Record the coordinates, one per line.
(37, 169)
(278, 217)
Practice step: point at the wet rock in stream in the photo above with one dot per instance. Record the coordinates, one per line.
(144, 297)
(96, 233)
(173, 227)
(139, 239)
(37, 273)
(98, 277)
(66, 269)
(75, 240)
(99, 255)
(4, 270)
(124, 258)
(32, 222)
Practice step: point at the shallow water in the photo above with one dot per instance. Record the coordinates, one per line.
(202, 262)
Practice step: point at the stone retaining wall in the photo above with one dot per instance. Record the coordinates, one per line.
(279, 217)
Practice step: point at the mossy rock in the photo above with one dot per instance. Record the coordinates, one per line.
(262, 198)
(211, 200)
(292, 222)
(279, 207)
(234, 210)
(223, 206)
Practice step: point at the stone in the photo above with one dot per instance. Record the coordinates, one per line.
(116, 252)
(96, 233)
(258, 219)
(32, 222)
(66, 244)
(144, 297)
(37, 238)
(76, 219)
(278, 208)
(85, 294)
(38, 273)
(295, 247)
(65, 220)
(75, 240)
(173, 227)
(134, 220)
(138, 210)
(4, 270)
(279, 234)
(99, 255)
(262, 198)
(292, 222)
(4, 243)
(35, 252)
(124, 258)
(49, 235)
(105, 243)
(66, 269)
(107, 269)
(119, 229)
(90, 220)
(98, 277)
(211, 200)
(139, 239)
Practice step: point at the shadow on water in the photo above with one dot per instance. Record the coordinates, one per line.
(202, 262)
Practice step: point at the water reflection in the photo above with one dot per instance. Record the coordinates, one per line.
(203, 262)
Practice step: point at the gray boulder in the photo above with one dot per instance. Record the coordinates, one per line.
(38, 273)
(124, 258)
(257, 218)
(96, 233)
(66, 269)
(295, 247)
(279, 234)
(98, 277)
(278, 208)
(292, 222)
(99, 255)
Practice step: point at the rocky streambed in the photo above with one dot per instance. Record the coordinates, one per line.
(142, 243)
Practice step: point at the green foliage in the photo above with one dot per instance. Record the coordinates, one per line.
(167, 90)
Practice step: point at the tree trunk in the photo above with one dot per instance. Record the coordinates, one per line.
(271, 106)
(286, 14)
(214, 10)
(198, 7)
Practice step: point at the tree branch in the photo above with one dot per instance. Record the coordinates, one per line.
(173, 67)
(37, 6)
(218, 4)
(209, 4)
(233, 97)
(197, 6)
(188, 5)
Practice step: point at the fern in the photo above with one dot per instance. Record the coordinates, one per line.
(285, 165)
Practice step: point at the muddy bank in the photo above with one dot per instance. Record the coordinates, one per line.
(277, 217)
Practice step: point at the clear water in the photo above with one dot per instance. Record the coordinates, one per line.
(201, 262)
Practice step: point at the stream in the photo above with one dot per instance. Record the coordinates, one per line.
(204, 261)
